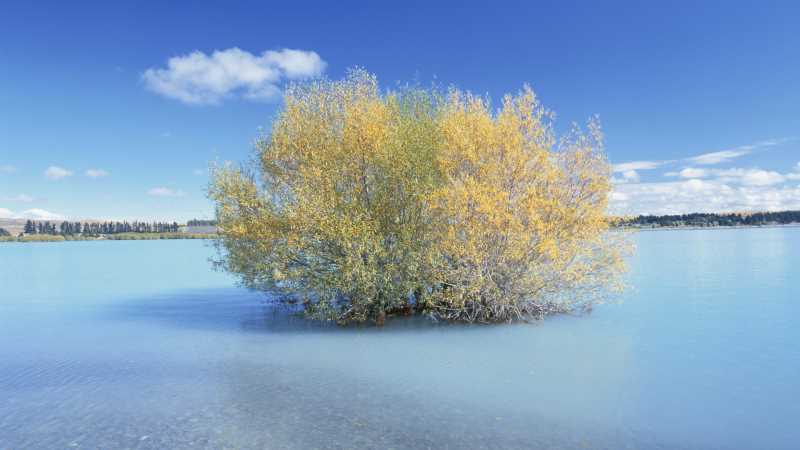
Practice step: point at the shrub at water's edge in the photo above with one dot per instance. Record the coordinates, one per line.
(363, 204)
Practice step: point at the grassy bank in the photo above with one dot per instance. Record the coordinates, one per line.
(109, 237)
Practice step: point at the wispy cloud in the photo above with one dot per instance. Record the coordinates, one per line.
(25, 198)
(198, 78)
(165, 192)
(6, 168)
(57, 173)
(638, 165)
(199, 172)
(727, 155)
(717, 157)
(96, 173)
(705, 159)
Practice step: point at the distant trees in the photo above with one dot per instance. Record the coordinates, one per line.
(66, 228)
(201, 223)
(712, 219)
(364, 204)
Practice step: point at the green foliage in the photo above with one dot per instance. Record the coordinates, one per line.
(40, 238)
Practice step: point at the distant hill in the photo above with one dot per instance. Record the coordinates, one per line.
(13, 226)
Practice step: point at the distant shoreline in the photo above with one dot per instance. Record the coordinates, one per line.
(712, 227)
(110, 237)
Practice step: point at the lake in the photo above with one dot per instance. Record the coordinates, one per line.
(140, 344)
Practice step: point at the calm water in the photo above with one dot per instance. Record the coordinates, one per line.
(139, 344)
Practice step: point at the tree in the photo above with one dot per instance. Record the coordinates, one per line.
(4, 232)
(364, 204)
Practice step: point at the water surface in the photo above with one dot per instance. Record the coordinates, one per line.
(140, 344)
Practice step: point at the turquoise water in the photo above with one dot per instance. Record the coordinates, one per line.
(139, 344)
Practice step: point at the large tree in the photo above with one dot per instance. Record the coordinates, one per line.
(364, 203)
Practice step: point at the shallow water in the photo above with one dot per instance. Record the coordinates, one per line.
(139, 344)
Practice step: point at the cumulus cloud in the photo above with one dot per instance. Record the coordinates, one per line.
(710, 190)
(40, 214)
(57, 173)
(691, 172)
(696, 195)
(33, 214)
(165, 192)
(96, 173)
(750, 177)
(198, 78)
(629, 176)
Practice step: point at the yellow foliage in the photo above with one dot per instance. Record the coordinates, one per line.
(368, 203)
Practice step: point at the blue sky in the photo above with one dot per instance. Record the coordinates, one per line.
(115, 111)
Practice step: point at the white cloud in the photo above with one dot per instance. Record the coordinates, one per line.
(96, 173)
(198, 78)
(40, 214)
(618, 197)
(691, 172)
(750, 177)
(165, 192)
(638, 165)
(717, 157)
(296, 63)
(20, 198)
(33, 214)
(696, 195)
(57, 173)
(712, 158)
(705, 159)
(6, 168)
(629, 176)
